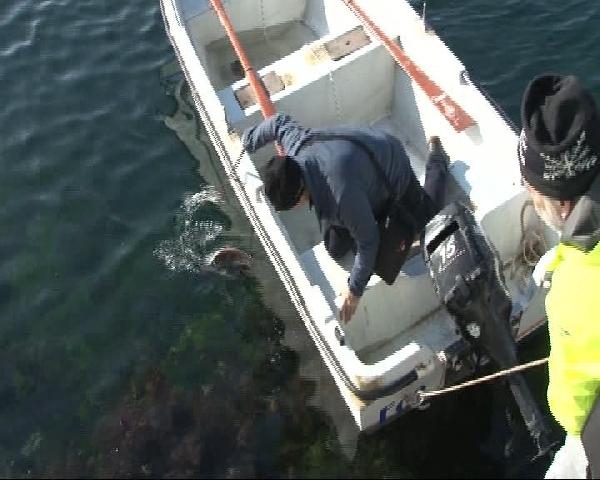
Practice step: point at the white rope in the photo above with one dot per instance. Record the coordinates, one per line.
(503, 373)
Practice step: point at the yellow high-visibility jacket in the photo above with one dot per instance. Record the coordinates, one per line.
(573, 310)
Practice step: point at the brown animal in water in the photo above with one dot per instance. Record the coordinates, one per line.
(231, 260)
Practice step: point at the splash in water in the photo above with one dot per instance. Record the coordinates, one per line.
(196, 236)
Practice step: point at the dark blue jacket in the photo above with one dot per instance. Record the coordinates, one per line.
(343, 184)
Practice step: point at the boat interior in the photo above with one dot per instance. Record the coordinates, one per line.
(321, 68)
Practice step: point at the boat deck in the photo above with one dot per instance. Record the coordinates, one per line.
(264, 46)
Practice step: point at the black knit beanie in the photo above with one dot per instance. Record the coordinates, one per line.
(283, 181)
(560, 141)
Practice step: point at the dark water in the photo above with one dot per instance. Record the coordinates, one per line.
(121, 354)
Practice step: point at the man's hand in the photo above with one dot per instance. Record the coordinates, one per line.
(348, 306)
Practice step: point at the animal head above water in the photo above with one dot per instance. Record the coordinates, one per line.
(231, 260)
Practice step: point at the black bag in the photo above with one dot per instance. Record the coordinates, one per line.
(397, 231)
(397, 227)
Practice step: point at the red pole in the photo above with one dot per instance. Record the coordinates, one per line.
(457, 117)
(260, 92)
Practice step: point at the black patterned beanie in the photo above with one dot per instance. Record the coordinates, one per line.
(559, 146)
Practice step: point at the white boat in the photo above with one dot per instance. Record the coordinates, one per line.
(323, 68)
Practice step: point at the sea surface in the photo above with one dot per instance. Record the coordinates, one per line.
(122, 352)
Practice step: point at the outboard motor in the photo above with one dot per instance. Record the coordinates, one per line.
(466, 275)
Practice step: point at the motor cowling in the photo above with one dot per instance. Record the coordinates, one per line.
(465, 270)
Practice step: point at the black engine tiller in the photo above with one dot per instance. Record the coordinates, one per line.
(466, 275)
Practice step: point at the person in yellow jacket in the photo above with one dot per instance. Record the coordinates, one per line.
(559, 159)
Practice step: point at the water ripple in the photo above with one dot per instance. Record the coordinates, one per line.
(191, 249)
